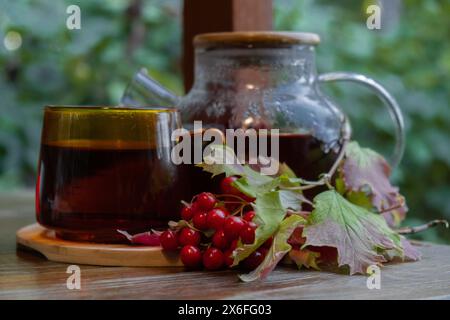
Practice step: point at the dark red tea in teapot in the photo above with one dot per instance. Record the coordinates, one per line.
(304, 154)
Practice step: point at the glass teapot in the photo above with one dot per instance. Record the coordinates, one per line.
(266, 80)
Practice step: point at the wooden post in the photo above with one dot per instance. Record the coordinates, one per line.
(202, 16)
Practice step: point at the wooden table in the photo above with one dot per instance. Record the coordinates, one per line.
(26, 275)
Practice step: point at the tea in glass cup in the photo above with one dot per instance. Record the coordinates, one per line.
(103, 169)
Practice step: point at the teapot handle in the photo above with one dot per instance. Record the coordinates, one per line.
(385, 96)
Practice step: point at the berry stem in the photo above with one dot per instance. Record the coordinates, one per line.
(174, 225)
(230, 195)
(184, 203)
(400, 204)
(326, 178)
(411, 230)
(239, 210)
(233, 202)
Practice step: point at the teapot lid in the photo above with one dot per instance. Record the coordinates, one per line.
(267, 39)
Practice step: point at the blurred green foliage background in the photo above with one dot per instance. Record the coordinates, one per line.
(410, 55)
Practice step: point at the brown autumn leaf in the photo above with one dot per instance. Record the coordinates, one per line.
(364, 178)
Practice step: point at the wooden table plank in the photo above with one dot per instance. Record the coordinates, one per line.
(26, 275)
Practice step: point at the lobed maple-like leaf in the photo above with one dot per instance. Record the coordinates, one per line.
(269, 212)
(361, 237)
(409, 251)
(364, 179)
(280, 247)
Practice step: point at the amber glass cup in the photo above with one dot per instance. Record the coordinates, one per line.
(103, 169)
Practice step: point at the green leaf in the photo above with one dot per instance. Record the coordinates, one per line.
(278, 250)
(281, 182)
(362, 238)
(360, 199)
(252, 189)
(292, 199)
(269, 212)
(286, 171)
(365, 173)
(223, 160)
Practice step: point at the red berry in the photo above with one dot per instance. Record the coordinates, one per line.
(216, 218)
(189, 236)
(206, 201)
(252, 225)
(195, 208)
(249, 215)
(187, 213)
(226, 185)
(191, 256)
(228, 257)
(213, 259)
(232, 227)
(247, 234)
(233, 244)
(225, 210)
(254, 259)
(200, 221)
(169, 240)
(219, 240)
(268, 243)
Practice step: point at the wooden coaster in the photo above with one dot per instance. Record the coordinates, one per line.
(44, 241)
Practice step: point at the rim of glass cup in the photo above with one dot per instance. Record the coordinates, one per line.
(147, 109)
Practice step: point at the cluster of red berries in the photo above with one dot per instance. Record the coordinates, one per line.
(209, 216)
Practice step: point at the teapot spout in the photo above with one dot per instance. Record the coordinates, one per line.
(144, 91)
